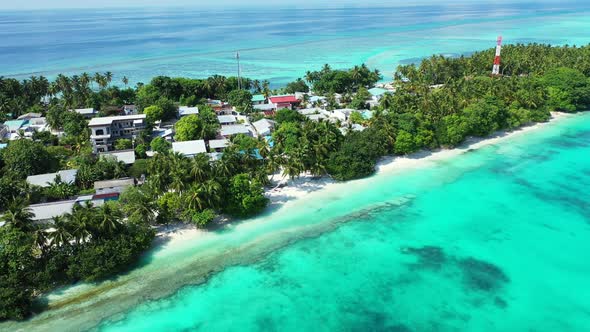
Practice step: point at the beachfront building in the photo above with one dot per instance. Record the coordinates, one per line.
(105, 131)
(190, 148)
(227, 120)
(45, 180)
(233, 130)
(87, 113)
(125, 156)
(287, 101)
(185, 110)
(113, 186)
(45, 212)
(218, 145)
(263, 127)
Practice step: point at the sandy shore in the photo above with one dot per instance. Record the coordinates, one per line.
(296, 190)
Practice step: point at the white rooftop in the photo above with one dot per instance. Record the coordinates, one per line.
(226, 118)
(265, 107)
(44, 180)
(126, 156)
(85, 111)
(189, 148)
(49, 210)
(263, 126)
(108, 120)
(234, 130)
(185, 110)
(218, 143)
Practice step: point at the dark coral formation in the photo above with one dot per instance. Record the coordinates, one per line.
(481, 275)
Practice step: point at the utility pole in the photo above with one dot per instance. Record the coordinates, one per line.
(239, 71)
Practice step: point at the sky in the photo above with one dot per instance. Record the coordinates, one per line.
(54, 4)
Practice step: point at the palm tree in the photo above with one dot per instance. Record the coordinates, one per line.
(61, 235)
(109, 219)
(200, 167)
(18, 215)
(40, 237)
(195, 199)
(125, 81)
(108, 76)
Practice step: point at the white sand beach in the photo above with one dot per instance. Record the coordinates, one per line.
(298, 190)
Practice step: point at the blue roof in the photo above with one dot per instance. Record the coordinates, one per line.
(15, 124)
(255, 153)
(367, 114)
(378, 91)
(256, 98)
(269, 140)
(3, 145)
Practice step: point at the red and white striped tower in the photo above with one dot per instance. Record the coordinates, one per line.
(496, 68)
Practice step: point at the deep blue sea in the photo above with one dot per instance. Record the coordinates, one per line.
(275, 44)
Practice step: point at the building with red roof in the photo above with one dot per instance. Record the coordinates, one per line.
(288, 101)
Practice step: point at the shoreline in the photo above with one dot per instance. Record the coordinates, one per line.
(296, 190)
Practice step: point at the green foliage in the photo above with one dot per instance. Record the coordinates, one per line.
(246, 197)
(204, 218)
(74, 124)
(356, 118)
(25, 157)
(189, 128)
(154, 113)
(297, 86)
(359, 102)
(341, 81)
(241, 100)
(404, 143)
(357, 156)
(123, 144)
(160, 145)
(139, 168)
(287, 115)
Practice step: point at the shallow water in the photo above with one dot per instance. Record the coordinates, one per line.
(275, 44)
(492, 240)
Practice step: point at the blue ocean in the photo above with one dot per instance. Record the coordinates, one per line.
(490, 239)
(275, 44)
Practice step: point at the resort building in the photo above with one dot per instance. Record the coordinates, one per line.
(342, 114)
(218, 145)
(232, 130)
(185, 110)
(47, 211)
(88, 113)
(106, 130)
(189, 148)
(45, 180)
(126, 156)
(28, 116)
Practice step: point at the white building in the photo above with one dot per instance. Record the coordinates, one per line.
(218, 145)
(45, 180)
(88, 113)
(190, 148)
(185, 110)
(263, 127)
(106, 130)
(226, 120)
(232, 130)
(126, 156)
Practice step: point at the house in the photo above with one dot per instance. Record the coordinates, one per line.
(288, 101)
(268, 109)
(106, 130)
(226, 120)
(88, 113)
(45, 180)
(129, 109)
(47, 211)
(113, 186)
(38, 124)
(218, 145)
(14, 126)
(29, 116)
(318, 100)
(232, 130)
(126, 156)
(258, 99)
(167, 134)
(185, 110)
(263, 127)
(342, 114)
(190, 148)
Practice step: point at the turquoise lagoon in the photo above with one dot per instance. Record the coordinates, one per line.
(275, 44)
(494, 239)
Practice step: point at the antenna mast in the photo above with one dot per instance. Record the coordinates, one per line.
(239, 71)
(496, 68)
